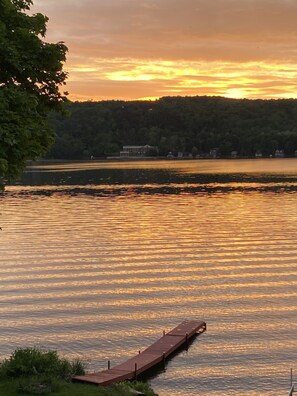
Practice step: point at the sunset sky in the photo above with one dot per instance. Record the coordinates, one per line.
(145, 49)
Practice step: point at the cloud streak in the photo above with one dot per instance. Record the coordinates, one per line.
(133, 49)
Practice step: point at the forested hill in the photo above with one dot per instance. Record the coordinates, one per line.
(177, 124)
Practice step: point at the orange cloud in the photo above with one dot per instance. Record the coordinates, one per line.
(132, 49)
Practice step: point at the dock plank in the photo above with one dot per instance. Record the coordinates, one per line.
(188, 327)
(166, 345)
(142, 361)
(106, 377)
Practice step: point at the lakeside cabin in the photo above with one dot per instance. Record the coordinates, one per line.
(137, 151)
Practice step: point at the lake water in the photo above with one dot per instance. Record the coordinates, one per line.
(98, 258)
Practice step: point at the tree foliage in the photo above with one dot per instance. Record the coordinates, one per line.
(31, 73)
(193, 125)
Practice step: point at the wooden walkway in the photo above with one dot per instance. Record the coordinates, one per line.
(150, 357)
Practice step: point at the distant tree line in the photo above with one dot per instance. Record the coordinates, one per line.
(195, 125)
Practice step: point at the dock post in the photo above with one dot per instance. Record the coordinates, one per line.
(164, 360)
(135, 372)
(163, 333)
(108, 364)
(187, 340)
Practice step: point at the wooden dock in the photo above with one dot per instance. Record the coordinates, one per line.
(150, 357)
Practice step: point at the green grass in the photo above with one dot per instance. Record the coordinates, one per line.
(31, 371)
(11, 388)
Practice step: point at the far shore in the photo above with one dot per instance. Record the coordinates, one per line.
(127, 159)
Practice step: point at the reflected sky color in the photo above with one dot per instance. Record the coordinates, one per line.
(100, 277)
(132, 49)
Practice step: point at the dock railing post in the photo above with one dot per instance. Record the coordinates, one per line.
(292, 386)
(135, 372)
(108, 364)
(164, 359)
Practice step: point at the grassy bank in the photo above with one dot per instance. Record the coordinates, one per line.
(32, 371)
(62, 388)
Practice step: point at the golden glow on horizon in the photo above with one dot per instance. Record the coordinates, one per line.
(131, 79)
(151, 98)
(236, 93)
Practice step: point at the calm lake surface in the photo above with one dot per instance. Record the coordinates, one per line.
(97, 258)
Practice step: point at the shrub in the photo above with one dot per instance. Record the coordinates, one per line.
(33, 361)
(130, 388)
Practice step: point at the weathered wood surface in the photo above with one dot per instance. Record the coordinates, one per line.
(150, 357)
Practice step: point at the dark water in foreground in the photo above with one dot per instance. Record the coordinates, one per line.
(98, 258)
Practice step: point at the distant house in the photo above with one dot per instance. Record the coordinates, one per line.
(214, 153)
(279, 153)
(137, 151)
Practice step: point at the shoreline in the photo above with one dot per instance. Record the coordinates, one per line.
(135, 159)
